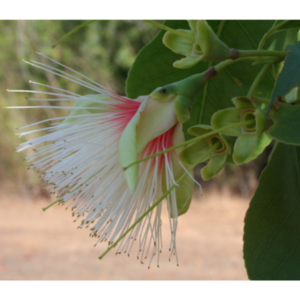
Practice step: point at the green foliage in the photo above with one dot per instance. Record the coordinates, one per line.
(286, 124)
(154, 67)
(289, 77)
(287, 24)
(272, 227)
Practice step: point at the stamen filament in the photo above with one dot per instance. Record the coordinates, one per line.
(159, 200)
(45, 208)
(174, 31)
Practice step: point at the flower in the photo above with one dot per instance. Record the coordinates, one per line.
(252, 139)
(200, 44)
(82, 161)
(214, 148)
(165, 107)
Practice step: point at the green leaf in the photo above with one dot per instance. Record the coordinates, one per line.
(153, 67)
(272, 227)
(289, 77)
(286, 124)
(287, 24)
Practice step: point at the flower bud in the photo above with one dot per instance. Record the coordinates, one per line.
(251, 139)
(216, 158)
(199, 44)
(212, 48)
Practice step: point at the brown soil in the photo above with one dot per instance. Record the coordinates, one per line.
(37, 245)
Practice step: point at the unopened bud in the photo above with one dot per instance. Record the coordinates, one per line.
(206, 46)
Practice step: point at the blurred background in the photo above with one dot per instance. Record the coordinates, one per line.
(46, 245)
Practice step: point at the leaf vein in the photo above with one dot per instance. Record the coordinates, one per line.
(248, 34)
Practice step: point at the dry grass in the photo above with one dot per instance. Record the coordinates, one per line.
(37, 245)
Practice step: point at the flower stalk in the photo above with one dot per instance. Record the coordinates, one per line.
(56, 201)
(257, 80)
(174, 31)
(247, 53)
(273, 29)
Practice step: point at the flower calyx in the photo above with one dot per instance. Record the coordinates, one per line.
(215, 149)
(249, 130)
(183, 93)
(206, 46)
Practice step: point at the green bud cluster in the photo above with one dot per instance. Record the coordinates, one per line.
(242, 138)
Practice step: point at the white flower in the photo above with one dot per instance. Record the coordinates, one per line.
(81, 160)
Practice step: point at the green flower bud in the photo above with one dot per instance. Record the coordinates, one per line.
(206, 46)
(251, 138)
(216, 158)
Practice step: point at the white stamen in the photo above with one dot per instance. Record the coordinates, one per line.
(54, 88)
(78, 160)
(188, 173)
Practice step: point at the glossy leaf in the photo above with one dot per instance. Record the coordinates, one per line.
(272, 227)
(289, 77)
(286, 124)
(288, 24)
(154, 67)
